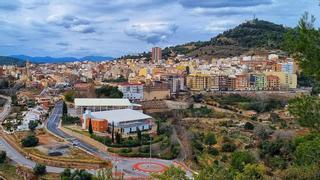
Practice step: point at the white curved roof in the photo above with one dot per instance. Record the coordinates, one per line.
(119, 115)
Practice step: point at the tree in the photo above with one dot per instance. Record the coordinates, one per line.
(139, 135)
(210, 139)
(66, 173)
(301, 172)
(109, 91)
(112, 133)
(118, 138)
(104, 174)
(213, 151)
(308, 150)
(214, 171)
(30, 141)
(3, 156)
(90, 127)
(172, 173)
(306, 110)
(76, 175)
(39, 169)
(228, 147)
(33, 125)
(252, 172)
(69, 96)
(303, 43)
(240, 158)
(65, 108)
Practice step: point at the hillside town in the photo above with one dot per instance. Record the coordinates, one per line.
(159, 90)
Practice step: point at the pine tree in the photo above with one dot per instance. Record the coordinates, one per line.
(139, 136)
(112, 132)
(118, 138)
(90, 127)
(65, 108)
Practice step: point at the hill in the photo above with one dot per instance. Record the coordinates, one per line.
(251, 35)
(5, 60)
(49, 59)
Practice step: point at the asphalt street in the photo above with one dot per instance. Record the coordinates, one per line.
(13, 154)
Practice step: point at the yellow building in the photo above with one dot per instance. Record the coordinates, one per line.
(143, 72)
(199, 82)
(287, 81)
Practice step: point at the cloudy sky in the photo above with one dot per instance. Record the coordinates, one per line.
(117, 27)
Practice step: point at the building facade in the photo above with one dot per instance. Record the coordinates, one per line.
(131, 91)
(156, 55)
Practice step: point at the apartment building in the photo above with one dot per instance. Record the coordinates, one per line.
(131, 91)
(273, 83)
(242, 82)
(199, 82)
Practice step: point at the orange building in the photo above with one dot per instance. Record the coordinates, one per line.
(273, 82)
(99, 125)
(242, 82)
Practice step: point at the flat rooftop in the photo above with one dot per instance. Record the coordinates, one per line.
(102, 102)
(120, 115)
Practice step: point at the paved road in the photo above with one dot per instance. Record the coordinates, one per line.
(11, 152)
(6, 108)
(121, 163)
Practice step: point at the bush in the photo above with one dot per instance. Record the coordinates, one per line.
(228, 147)
(241, 158)
(39, 169)
(248, 126)
(70, 120)
(30, 141)
(126, 150)
(210, 139)
(33, 125)
(66, 173)
(213, 151)
(3, 156)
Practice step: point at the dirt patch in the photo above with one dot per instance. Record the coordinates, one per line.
(46, 139)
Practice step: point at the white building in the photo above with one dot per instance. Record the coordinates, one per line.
(133, 92)
(102, 104)
(125, 121)
(35, 114)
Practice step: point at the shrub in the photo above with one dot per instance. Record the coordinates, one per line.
(33, 125)
(210, 139)
(30, 141)
(241, 158)
(248, 126)
(126, 150)
(39, 169)
(228, 147)
(3, 156)
(213, 151)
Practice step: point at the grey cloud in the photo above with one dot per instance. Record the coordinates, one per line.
(72, 23)
(151, 33)
(222, 3)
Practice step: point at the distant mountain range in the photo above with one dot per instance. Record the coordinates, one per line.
(6, 60)
(49, 59)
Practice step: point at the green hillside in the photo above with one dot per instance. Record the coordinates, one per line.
(254, 34)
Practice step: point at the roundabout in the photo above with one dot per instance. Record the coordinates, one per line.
(150, 167)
